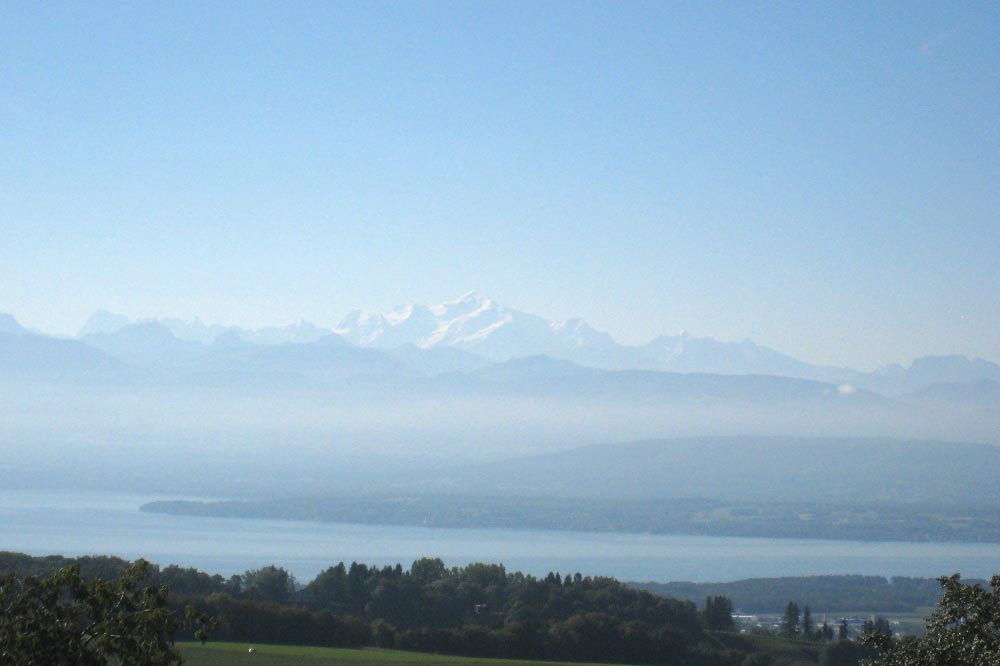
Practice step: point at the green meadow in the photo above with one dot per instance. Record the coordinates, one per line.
(238, 654)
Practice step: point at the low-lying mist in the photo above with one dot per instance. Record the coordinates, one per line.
(248, 441)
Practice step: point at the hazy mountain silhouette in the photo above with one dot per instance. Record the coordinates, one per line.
(329, 360)
(472, 334)
(476, 325)
(984, 392)
(103, 322)
(144, 344)
(929, 370)
(9, 325)
(751, 469)
(25, 356)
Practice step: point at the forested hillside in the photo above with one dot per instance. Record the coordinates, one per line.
(873, 594)
(814, 520)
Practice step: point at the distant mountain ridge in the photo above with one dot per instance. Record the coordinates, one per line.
(26, 356)
(9, 325)
(870, 489)
(143, 344)
(473, 332)
(473, 323)
(103, 322)
(928, 371)
(476, 323)
(751, 469)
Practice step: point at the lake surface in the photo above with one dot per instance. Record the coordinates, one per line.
(42, 523)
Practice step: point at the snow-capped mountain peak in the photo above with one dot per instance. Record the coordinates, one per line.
(405, 324)
(476, 323)
(400, 315)
(578, 334)
(469, 304)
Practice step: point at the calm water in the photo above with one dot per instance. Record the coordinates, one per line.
(93, 523)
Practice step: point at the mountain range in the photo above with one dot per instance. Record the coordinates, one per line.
(469, 336)
(477, 324)
(466, 380)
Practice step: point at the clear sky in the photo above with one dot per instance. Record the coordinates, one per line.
(823, 180)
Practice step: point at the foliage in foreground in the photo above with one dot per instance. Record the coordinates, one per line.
(66, 619)
(964, 630)
(478, 611)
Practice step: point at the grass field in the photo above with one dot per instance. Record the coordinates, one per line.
(237, 654)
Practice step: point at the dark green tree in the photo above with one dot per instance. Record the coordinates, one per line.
(825, 632)
(790, 622)
(718, 613)
(269, 583)
(807, 622)
(68, 620)
(842, 631)
(964, 630)
(876, 625)
(428, 569)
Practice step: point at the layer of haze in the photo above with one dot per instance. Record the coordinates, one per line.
(825, 181)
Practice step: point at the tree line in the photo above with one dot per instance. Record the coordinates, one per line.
(479, 610)
(55, 613)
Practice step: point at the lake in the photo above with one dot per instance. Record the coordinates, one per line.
(70, 523)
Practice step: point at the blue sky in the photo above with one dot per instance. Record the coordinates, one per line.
(823, 180)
